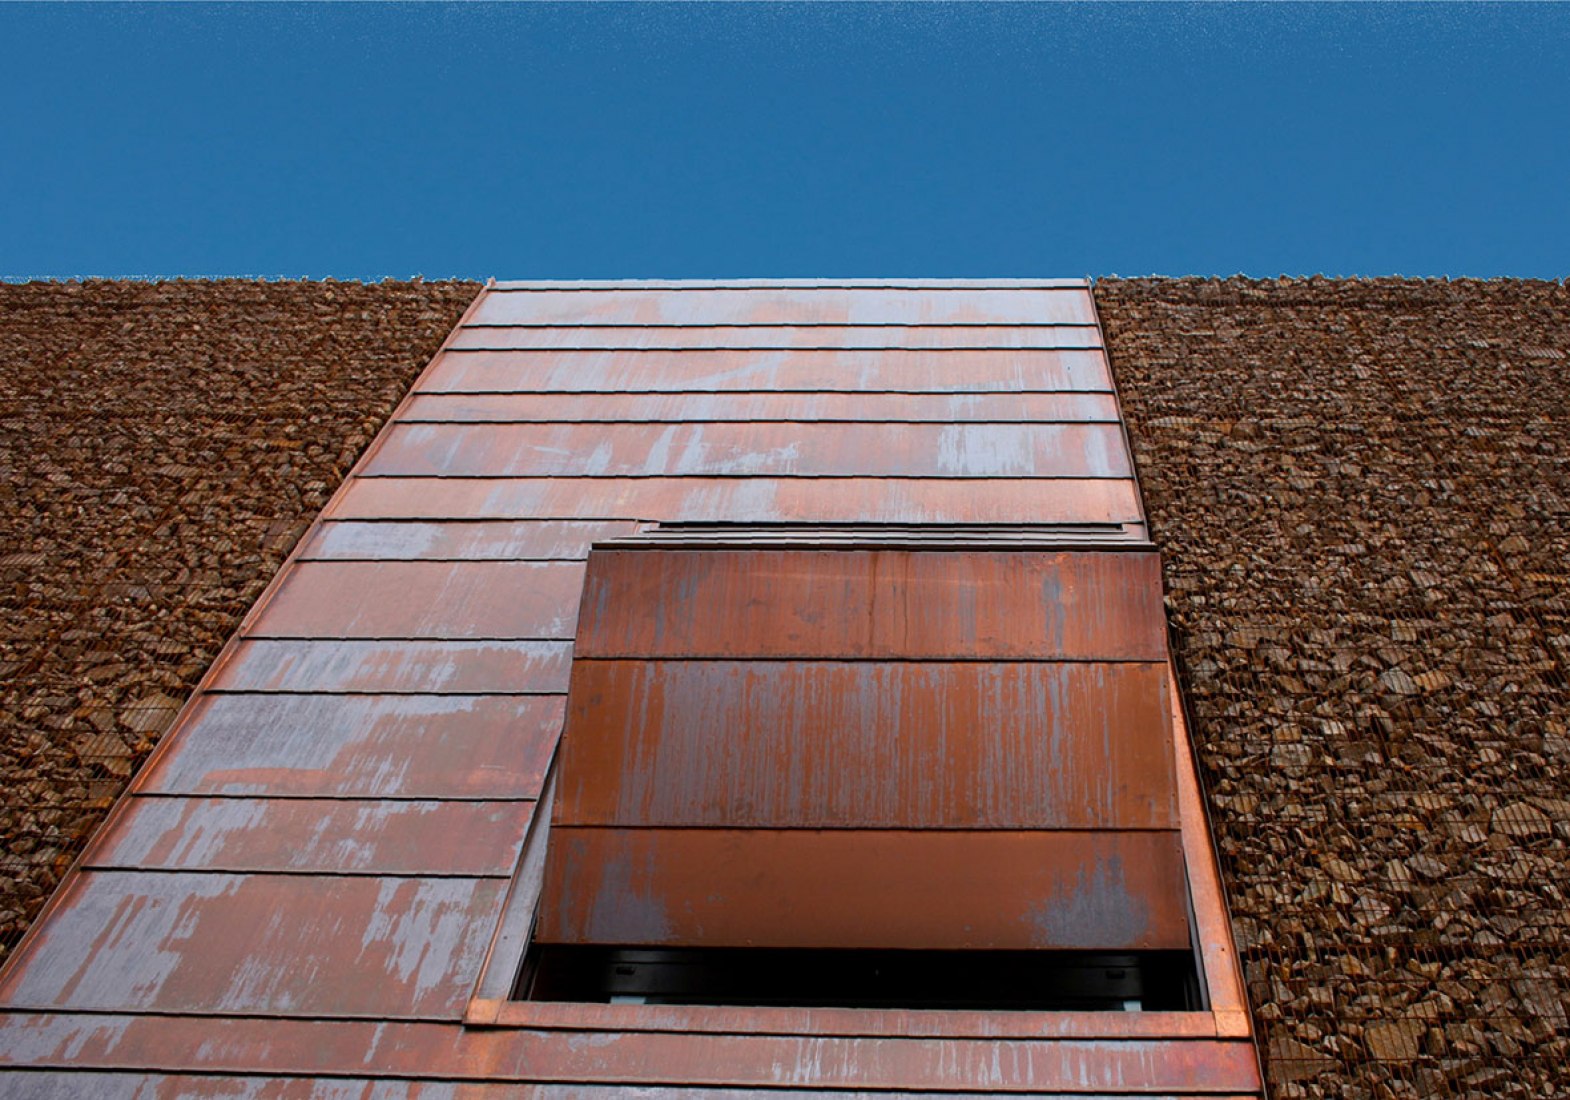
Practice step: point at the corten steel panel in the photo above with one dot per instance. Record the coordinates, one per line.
(746, 500)
(927, 536)
(315, 835)
(65, 1085)
(744, 338)
(495, 540)
(909, 1023)
(363, 746)
(133, 1085)
(919, 889)
(751, 450)
(944, 408)
(891, 604)
(298, 944)
(1217, 954)
(307, 945)
(1085, 1068)
(524, 285)
(785, 307)
(452, 668)
(869, 745)
(828, 370)
(424, 599)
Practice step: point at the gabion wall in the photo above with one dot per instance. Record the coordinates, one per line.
(1362, 491)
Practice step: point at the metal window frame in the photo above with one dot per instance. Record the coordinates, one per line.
(1223, 1012)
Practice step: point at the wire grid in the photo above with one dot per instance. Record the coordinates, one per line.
(1346, 487)
(162, 446)
(1361, 491)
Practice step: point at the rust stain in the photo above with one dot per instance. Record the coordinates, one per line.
(867, 745)
(884, 604)
(912, 889)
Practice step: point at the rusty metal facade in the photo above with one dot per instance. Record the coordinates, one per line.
(993, 605)
(315, 877)
(701, 371)
(868, 745)
(934, 749)
(908, 889)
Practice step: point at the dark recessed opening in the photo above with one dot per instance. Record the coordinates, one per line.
(985, 980)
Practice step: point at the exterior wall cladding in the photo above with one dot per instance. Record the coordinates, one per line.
(311, 888)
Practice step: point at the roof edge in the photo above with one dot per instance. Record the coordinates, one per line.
(801, 284)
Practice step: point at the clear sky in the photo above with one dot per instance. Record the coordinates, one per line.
(697, 140)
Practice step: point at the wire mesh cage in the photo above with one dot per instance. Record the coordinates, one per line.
(1360, 490)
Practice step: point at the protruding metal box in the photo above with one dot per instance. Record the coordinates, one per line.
(853, 748)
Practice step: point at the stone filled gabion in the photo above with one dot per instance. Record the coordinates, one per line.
(1362, 492)
(162, 446)
(1360, 489)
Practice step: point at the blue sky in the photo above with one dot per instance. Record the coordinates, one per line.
(696, 140)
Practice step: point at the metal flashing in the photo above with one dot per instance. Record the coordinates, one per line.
(774, 284)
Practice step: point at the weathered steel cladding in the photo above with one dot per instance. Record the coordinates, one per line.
(835, 802)
(861, 408)
(799, 744)
(412, 1050)
(724, 449)
(746, 500)
(225, 943)
(479, 540)
(762, 337)
(326, 836)
(864, 536)
(392, 763)
(919, 889)
(66, 1085)
(363, 746)
(908, 1023)
(336, 666)
(892, 604)
(425, 599)
(784, 306)
(827, 370)
(929, 285)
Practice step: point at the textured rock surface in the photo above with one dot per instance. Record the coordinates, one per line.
(162, 446)
(1362, 490)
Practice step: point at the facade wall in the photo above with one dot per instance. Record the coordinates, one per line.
(1360, 491)
(284, 893)
(163, 447)
(1358, 488)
